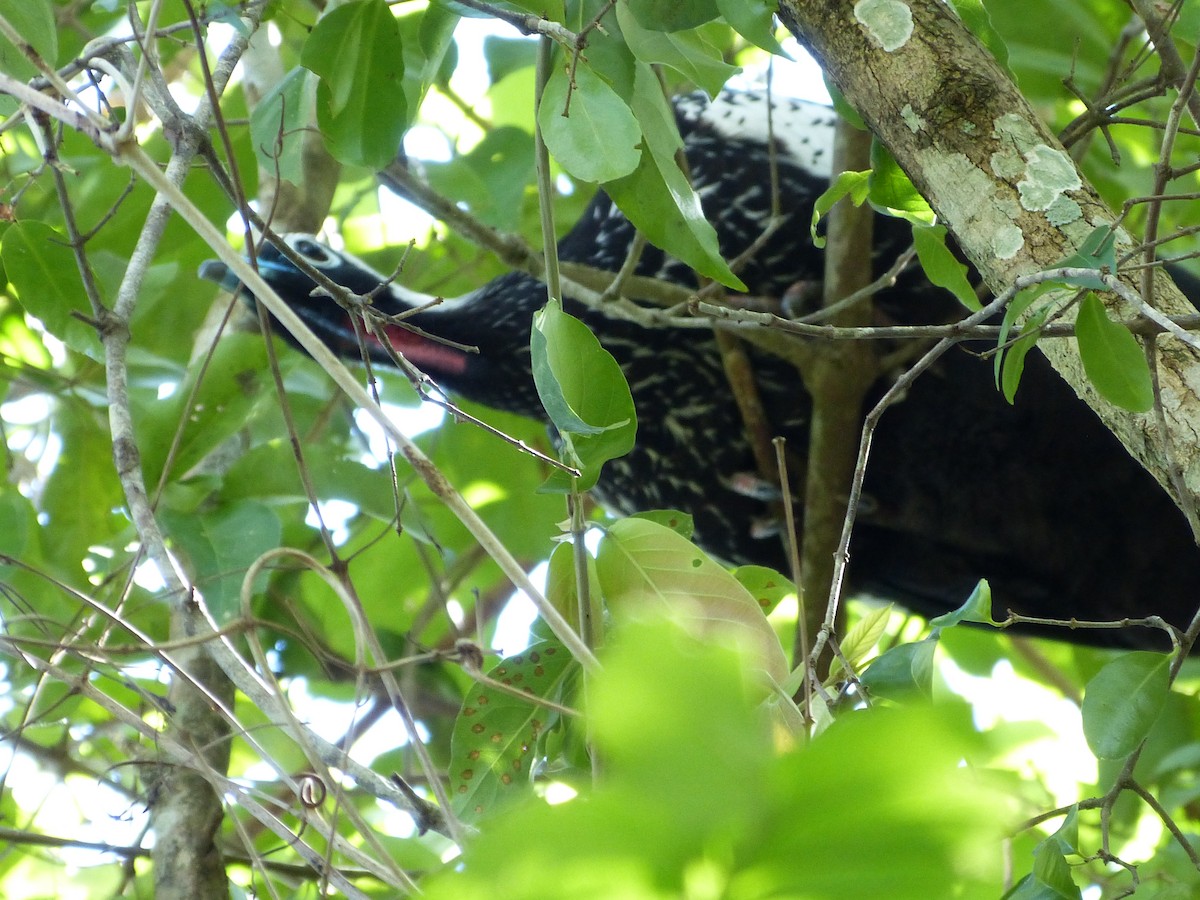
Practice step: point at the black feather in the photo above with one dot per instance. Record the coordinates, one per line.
(1040, 499)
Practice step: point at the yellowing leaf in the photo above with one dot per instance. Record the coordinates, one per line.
(644, 567)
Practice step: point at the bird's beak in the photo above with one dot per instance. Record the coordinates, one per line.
(215, 270)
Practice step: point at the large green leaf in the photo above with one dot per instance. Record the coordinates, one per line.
(697, 800)
(357, 52)
(1113, 358)
(584, 393)
(491, 179)
(42, 267)
(657, 198)
(1124, 701)
(646, 569)
(892, 190)
(219, 544)
(597, 118)
(941, 266)
(754, 20)
(82, 502)
(34, 22)
(208, 407)
(497, 735)
(672, 15)
(902, 672)
(277, 125)
(687, 52)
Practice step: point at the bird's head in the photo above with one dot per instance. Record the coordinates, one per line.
(459, 342)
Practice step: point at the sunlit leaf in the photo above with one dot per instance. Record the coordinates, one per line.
(357, 52)
(277, 125)
(1113, 358)
(848, 184)
(941, 266)
(584, 392)
(892, 190)
(1123, 701)
(977, 608)
(754, 20)
(658, 198)
(577, 118)
(496, 733)
(42, 267)
(687, 52)
(647, 569)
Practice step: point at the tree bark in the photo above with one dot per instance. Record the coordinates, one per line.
(997, 178)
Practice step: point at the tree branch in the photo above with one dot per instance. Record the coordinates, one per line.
(997, 178)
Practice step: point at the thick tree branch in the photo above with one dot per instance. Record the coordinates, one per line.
(995, 175)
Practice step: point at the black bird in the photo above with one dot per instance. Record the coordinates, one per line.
(1039, 498)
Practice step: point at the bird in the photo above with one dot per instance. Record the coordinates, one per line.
(1038, 497)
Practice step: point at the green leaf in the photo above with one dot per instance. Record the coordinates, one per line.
(584, 392)
(597, 118)
(82, 504)
(18, 523)
(1050, 878)
(219, 545)
(277, 125)
(977, 608)
(854, 185)
(490, 180)
(433, 56)
(224, 402)
(975, 16)
(1113, 358)
(1123, 701)
(765, 585)
(496, 734)
(755, 21)
(902, 672)
(941, 266)
(41, 266)
(646, 569)
(672, 15)
(1012, 361)
(891, 189)
(689, 53)
(860, 641)
(680, 522)
(504, 55)
(1008, 374)
(562, 588)
(34, 22)
(1098, 252)
(357, 52)
(657, 198)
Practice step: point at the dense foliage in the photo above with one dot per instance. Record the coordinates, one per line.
(160, 452)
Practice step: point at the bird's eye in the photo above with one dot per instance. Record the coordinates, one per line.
(316, 254)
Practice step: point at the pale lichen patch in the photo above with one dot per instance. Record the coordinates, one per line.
(1007, 165)
(888, 22)
(1042, 173)
(914, 122)
(1007, 241)
(1063, 211)
(1011, 128)
(1049, 173)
